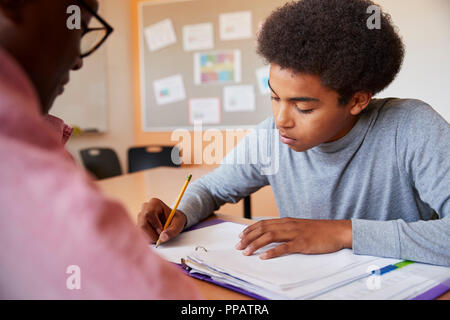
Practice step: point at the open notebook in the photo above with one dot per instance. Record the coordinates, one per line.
(340, 275)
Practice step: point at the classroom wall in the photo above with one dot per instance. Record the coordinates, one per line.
(120, 134)
(424, 26)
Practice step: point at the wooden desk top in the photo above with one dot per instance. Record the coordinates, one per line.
(134, 189)
(165, 183)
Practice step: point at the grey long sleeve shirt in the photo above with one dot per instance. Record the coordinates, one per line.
(390, 175)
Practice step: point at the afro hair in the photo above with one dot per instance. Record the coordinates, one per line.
(331, 39)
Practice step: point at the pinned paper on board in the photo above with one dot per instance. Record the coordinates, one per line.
(262, 76)
(160, 35)
(238, 98)
(198, 37)
(169, 90)
(217, 67)
(235, 25)
(204, 110)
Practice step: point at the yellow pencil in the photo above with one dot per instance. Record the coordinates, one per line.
(172, 213)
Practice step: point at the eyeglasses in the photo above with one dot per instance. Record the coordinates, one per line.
(95, 34)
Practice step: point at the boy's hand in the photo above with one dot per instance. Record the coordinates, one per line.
(298, 235)
(152, 218)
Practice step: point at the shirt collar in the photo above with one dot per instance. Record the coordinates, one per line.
(63, 130)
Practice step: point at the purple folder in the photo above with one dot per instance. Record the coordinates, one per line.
(206, 278)
(435, 292)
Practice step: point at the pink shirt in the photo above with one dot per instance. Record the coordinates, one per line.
(57, 230)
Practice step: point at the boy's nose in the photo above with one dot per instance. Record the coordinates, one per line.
(283, 118)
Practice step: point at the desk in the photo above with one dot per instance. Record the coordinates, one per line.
(165, 183)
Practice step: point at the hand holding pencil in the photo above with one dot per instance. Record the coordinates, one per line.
(159, 222)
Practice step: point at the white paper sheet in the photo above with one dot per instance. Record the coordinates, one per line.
(403, 283)
(220, 236)
(283, 272)
(238, 98)
(204, 110)
(198, 37)
(160, 35)
(235, 25)
(169, 90)
(323, 281)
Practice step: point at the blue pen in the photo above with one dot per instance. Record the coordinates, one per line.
(392, 267)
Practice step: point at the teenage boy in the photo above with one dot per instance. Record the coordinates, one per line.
(354, 172)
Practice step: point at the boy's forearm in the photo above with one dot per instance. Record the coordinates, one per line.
(346, 233)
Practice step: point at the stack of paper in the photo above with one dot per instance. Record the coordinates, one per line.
(401, 284)
(340, 275)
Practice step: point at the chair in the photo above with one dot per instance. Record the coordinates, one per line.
(101, 162)
(142, 158)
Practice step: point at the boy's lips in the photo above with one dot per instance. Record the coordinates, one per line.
(287, 140)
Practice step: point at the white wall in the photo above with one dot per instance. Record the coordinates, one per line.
(425, 28)
(120, 134)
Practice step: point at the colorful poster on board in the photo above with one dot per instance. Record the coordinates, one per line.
(217, 67)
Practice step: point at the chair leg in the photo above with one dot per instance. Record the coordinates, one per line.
(247, 208)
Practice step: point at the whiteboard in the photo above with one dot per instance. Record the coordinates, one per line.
(84, 101)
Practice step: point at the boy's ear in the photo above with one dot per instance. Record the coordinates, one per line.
(359, 102)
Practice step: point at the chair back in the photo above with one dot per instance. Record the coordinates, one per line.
(143, 158)
(101, 162)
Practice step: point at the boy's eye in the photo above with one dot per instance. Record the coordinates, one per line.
(305, 111)
(275, 99)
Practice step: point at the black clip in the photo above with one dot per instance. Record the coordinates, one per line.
(185, 266)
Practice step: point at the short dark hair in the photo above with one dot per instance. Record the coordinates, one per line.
(331, 39)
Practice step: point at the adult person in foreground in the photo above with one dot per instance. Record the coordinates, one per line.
(54, 221)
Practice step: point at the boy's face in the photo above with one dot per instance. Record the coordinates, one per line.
(307, 113)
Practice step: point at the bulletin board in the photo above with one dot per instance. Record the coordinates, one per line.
(196, 66)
